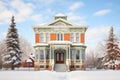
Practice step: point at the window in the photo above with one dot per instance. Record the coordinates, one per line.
(59, 36)
(47, 37)
(77, 54)
(41, 54)
(77, 37)
(83, 54)
(47, 54)
(36, 55)
(41, 37)
(72, 54)
(72, 37)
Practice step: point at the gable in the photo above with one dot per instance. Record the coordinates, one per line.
(60, 23)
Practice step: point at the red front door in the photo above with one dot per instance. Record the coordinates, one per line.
(60, 58)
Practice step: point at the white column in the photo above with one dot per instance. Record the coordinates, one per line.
(53, 58)
(81, 59)
(69, 59)
(44, 56)
(50, 54)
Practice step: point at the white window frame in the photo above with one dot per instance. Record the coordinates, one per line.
(41, 54)
(41, 37)
(72, 37)
(77, 37)
(60, 36)
(47, 35)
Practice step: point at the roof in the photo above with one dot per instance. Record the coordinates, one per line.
(60, 22)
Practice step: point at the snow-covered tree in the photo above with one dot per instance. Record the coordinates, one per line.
(26, 50)
(112, 53)
(13, 56)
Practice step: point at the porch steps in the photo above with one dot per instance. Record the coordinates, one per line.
(60, 67)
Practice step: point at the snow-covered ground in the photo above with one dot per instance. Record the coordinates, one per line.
(48, 75)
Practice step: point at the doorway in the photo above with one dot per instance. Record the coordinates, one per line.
(59, 58)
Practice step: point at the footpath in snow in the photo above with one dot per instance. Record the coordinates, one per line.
(48, 75)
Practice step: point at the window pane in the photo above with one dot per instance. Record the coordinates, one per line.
(41, 37)
(47, 37)
(59, 36)
(41, 55)
(47, 54)
(77, 54)
(83, 54)
(77, 37)
(62, 57)
(72, 37)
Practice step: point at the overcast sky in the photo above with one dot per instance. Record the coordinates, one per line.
(99, 15)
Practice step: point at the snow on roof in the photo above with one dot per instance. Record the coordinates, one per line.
(32, 56)
(60, 42)
(78, 44)
(59, 14)
(41, 44)
(28, 60)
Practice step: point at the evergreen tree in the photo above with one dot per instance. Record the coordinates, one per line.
(13, 56)
(112, 55)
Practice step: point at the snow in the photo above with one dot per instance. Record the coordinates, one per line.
(59, 14)
(49, 75)
(29, 60)
(32, 56)
(60, 42)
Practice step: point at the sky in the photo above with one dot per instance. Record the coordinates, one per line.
(99, 15)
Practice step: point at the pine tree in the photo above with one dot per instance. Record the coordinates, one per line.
(112, 55)
(13, 56)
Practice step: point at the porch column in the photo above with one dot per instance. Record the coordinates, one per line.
(69, 58)
(75, 59)
(50, 54)
(81, 59)
(44, 60)
(52, 58)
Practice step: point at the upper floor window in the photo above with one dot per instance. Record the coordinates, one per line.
(77, 37)
(59, 36)
(41, 37)
(72, 37)
(47, 37)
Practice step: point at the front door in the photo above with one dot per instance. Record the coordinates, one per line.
(60, 58)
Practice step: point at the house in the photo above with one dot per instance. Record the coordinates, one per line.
(59, 45)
